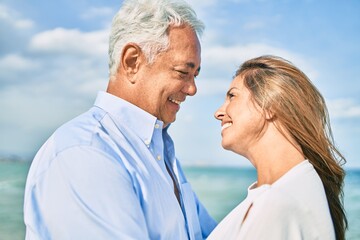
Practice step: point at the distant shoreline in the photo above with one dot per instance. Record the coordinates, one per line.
(196, 165)
(15, 159)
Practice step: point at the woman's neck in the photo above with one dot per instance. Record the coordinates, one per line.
(274, 155)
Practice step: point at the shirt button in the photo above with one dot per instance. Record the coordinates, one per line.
(147, 142)
(157, 125)
(158, 157)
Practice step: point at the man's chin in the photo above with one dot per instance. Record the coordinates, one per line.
(169, 121)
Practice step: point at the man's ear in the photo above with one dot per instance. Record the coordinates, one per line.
(131, 60)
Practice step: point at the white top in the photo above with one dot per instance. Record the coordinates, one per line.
(294, 207)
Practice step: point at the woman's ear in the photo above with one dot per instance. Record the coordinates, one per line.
(130, 60)
(269, 115)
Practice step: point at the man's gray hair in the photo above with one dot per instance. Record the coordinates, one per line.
(145, 22)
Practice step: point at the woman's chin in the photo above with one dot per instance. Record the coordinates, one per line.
(226, 146)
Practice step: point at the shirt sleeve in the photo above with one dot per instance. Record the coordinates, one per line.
(86, 194)
(207, 223)
(204, 221)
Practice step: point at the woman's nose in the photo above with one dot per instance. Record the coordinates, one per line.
(220, 113)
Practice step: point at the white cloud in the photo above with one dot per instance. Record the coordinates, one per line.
(212, 86)
(15, 62)
(247, 1)
(198, 4)
(221, 61)
(202, 8)
(343, 108)
(96, 12)
(30, 115)
(222, 55)
(14, 19)
(60, 80)
(70, 41)
(23, 24)
(254, 25)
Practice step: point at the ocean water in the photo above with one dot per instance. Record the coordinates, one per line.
(12, 184)
(219, 188)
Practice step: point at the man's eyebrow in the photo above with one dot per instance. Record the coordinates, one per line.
(192, 65)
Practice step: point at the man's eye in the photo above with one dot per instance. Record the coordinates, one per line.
(182, 72)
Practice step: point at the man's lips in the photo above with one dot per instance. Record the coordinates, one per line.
(178, 102)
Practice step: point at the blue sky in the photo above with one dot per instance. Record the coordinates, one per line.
(53, 61)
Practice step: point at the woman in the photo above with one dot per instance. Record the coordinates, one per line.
(276, 118)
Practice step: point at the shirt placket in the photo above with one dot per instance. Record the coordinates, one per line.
(156, 147)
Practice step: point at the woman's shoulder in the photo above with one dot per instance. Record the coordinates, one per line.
(279, 201)
(280, 211)
(299, 191)
(297, 202)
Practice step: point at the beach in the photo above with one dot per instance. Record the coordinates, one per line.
(219, 188)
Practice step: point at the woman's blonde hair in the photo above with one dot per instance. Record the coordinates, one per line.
(284, 91)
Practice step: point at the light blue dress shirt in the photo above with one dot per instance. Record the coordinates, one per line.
(103, 176)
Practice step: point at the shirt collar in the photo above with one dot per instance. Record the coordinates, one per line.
(124, 113)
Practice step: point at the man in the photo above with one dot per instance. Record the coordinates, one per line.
(111, 173)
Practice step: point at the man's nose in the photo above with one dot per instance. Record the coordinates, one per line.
(190, 88)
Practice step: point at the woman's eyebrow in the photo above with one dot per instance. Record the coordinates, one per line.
(230, 90)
